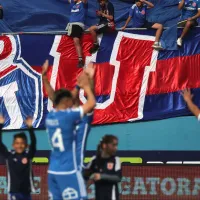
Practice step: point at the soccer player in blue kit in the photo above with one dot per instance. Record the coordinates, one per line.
(65, 179)
(84, 126)
(190, 14)
(76, 25)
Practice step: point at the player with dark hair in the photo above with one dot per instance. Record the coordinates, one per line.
(19, 163)
(105, 169)
(84, 125)
(76, 25)
(190, 14)
(138, 15)
(106, 22)
(65, 180)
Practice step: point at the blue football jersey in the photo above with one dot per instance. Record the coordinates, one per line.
(82, 131)
(190, 9)
(61, 129)
(78, 12)
(138, 16)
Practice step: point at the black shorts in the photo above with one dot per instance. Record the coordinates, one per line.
(183, 23)
(1, 13)
(148, 25)
(104, 28)
(76, 31)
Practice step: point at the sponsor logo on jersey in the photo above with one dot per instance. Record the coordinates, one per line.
(24, 161)
(194, 4)
(69, 194)
(110, 166)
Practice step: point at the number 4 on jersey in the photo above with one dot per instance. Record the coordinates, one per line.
(57, 140)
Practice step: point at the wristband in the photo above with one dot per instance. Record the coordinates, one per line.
(77, 87)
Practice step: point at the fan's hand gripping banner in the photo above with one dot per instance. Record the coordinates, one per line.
(132, 81)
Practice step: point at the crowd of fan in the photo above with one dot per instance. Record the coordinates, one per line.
(190, 13)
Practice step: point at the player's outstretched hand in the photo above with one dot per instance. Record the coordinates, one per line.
(96, 177)
(2, 120)
(123, 28)
(90, 70)
(45, 67)
(29, 122)
(187, 95)
(83, 80)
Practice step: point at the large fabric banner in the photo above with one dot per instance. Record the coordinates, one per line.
(132, 81)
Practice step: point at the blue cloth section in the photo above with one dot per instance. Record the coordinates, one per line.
(190, 46)
(165, 12)
(45, 15)
(169, 38)
(102, 98)
(104, 52)
(172, 105)
(41, 46)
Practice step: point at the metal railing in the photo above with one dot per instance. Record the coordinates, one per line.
(65, 32)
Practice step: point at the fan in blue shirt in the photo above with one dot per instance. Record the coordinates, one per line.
(190, 14)
(138, 15)
(64, 179)
(76, 25)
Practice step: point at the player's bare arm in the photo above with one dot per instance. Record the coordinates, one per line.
(3, 148)
(32, 147)
(50, 91)
(107, 177)
(84, 83)
(109, 17)
(181, 5)
(187, 95)
(127, 22)
(90, 72)
(149, 4)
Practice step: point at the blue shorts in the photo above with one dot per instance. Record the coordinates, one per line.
(66, 187)
(19, 196)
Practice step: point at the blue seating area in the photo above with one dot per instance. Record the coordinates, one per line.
(53, 15)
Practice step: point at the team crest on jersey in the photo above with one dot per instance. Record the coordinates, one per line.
(24, 161)
(50, 196)
(69, 194)
(194, 4)
(13, 198)
(110, 166)
(143, 12)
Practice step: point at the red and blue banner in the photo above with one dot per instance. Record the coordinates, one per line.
(132, 81)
